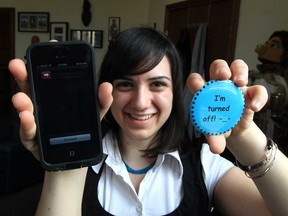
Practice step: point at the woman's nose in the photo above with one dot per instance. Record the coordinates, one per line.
(141, 98)
(260, 49)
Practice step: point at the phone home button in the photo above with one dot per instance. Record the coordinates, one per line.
(72, 153)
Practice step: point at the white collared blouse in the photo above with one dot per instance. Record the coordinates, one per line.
(160, 191)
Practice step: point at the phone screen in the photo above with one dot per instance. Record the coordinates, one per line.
(64, 87)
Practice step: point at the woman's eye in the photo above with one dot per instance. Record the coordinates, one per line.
(273, 45)
(123, 85)
(158, 84)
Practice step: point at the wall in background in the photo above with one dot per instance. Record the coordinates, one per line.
(258, 20)
(131, 13)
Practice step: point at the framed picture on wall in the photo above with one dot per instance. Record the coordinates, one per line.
(33, 21)
(86, 36)
(59, 31)
(94, 37)
(113, 27)
(75, 34)
(97, 39)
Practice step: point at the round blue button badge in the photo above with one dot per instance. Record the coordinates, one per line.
(217, 107)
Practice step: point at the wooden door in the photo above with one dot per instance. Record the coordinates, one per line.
(221, 17)
(7, 52)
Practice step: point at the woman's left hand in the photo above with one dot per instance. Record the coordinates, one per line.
(255, 99)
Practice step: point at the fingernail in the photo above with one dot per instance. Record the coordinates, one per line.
(257, 105)
(222, 71)
(240, 77)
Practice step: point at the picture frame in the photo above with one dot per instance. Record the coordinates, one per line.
(75, 34)
(33, 21)
(59, 31)
(113, 27)
(94, 37)
(86, 36)
(97, 38)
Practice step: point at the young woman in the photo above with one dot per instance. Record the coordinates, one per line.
(150, 167)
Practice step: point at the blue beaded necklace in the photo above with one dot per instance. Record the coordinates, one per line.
(140, 171)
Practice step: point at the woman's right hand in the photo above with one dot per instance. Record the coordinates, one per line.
(23, 104)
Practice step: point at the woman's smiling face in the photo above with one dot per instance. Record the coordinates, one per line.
(142, 103)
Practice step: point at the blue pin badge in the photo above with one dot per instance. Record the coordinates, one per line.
(217, 107)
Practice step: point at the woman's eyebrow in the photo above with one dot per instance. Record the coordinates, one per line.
(159, 78)
(124, 78)
(128, 78)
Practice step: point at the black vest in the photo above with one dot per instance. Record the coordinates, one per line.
(195, 200)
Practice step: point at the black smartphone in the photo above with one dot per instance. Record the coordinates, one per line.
(64, 88)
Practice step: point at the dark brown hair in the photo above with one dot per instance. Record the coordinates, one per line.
(138, 50)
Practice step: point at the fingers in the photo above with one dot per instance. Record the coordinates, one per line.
(22, 102)
(105, 98)
(255, 97)
(219, 69)
(217, 144)
(195, 82)
(237, 72)
(28, 132)
(23, 105)
(18, 70)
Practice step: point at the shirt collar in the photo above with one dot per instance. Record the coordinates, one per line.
(174, 158)
(111, 154)
(110, 151)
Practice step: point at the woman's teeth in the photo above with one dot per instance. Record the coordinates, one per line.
(141, 117)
